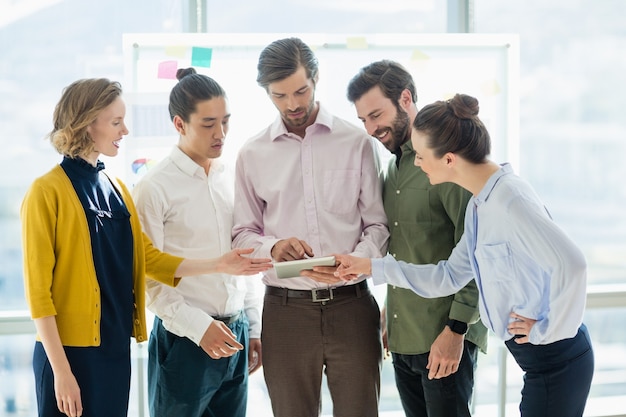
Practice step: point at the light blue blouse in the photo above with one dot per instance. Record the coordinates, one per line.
(522, 261)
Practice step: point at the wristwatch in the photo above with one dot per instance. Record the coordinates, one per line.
(457, 326)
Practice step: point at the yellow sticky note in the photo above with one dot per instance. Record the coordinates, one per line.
(491, 88)
(176, 51)
(418, 55)
(356, 43)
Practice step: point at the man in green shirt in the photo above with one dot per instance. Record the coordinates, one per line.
(434, 342)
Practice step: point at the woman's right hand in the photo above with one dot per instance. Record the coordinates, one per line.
(67, 394)
(350, 267)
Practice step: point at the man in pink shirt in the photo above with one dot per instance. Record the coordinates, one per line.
(309, 185)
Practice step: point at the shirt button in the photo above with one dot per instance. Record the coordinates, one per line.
(395, 223)
(137, 321)
(397, 191)
(395, 316)
(394, 255)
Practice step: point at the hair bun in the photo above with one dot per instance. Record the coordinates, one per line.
(183, 72)
(464, 106)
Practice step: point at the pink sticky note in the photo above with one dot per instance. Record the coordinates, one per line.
(167, 70)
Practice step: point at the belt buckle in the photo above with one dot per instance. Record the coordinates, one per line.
(322, 295)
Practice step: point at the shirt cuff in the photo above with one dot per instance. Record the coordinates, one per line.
(378, 271)
(265, 251)
(462, 312)
(254, 322)
(196, 324)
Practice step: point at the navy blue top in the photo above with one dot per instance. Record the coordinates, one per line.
(112, 245)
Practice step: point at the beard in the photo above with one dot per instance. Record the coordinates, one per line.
(398, 131)
(300, 121)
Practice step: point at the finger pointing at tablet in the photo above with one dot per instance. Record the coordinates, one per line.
(291, 249)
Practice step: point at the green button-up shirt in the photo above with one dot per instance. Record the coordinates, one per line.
(425, 223)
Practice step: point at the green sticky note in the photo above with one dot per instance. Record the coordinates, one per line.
(201, 57)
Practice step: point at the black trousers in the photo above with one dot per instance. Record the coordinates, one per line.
(446, 397)
(557, 376)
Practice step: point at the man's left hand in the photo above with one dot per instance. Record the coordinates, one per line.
(445, 354)
(255, 359)
(323, 274)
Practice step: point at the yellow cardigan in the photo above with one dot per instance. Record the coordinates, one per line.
(59, 273)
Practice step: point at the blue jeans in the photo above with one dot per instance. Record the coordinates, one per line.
(183, 380)
(557, 376)
(446, 397)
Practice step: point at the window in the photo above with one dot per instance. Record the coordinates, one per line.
(571, 144)
(571, 122)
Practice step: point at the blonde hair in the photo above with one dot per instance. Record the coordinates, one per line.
(79, 106)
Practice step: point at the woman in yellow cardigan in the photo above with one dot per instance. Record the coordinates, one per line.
(85, 261)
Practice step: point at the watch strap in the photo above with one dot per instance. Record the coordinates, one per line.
(456, 326)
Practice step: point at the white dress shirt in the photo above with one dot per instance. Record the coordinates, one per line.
(189, 214)
(523, 263)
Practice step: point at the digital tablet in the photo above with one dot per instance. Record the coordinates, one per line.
(291, 269)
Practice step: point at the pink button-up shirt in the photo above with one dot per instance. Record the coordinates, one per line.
(325, 189)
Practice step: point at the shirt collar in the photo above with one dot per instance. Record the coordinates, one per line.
(324, 119)
(407, 147)
(189, 166)
(505, 169)
(81, 166)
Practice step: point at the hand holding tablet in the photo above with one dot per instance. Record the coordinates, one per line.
(291, 269)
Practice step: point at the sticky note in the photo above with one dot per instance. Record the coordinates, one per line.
(356, 43)
(491, 88)
(176, 51)
(201, 57)
(418, 55)
(167, 70)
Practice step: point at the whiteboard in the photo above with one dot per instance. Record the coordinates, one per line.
(485, 66)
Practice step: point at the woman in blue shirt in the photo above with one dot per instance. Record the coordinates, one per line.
(530, 275)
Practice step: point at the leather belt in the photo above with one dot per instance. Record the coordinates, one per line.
(228, 320)
(320, 294)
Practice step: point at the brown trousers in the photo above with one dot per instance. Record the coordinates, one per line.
(341, 337)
